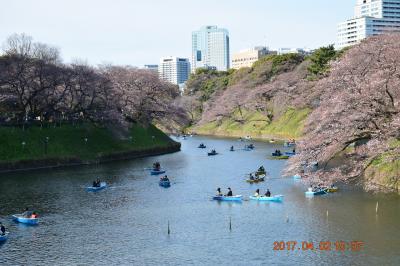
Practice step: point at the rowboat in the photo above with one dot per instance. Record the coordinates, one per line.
(157, 172)
(24, 220)
(315, 193)
(289, 153)
(255, 180)
(228, 198)
(212, 153)
(164, 183)
(281, 157)
(332, 189)
(3, 237)
(276, 198)
(103, 185)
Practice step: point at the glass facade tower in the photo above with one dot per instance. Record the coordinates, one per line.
(210, 48)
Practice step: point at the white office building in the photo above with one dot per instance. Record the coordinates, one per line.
(174, 69)
(210, 48)
(371, 17)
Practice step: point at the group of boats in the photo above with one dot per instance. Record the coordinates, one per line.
(213, 152)
(157, 170)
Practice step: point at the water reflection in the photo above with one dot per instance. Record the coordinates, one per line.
(127, 222)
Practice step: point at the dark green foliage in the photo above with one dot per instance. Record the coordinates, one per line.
(320, 60)
(68, 141)
(207, 81)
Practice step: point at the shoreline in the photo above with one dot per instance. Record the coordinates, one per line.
(265, 138)
(51, 163)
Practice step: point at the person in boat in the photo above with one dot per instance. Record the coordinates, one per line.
(230, 193)
(2, 229)
(34, 215)
(27, 213)
(98, 182)
(257, 193)
(156, 166)
(268, 193)
(294, 150)
(252, 176)
(165, 178)
(261, 169)
(232, 148)
(219, 193)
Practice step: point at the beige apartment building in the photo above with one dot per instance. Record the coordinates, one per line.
(246, 58)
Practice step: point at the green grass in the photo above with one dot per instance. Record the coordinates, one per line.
(385, 169)
(256, 124)
(68, 141)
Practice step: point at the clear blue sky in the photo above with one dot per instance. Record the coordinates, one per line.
(140, 32)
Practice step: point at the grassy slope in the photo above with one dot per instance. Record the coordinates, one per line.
(69, 141)
(385, 169)
(289, 125)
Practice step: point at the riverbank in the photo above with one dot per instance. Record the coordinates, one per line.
(70, 145)
(256, 125)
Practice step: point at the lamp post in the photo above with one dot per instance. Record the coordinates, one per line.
(23, 145)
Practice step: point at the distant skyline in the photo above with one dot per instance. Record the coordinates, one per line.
(132, 32)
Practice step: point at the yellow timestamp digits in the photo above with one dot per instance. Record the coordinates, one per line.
(318, 246)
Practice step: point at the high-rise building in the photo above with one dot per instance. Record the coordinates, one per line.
(174, 69)
(246, 58)
(151, 67)
(210, 48)
(371, 17)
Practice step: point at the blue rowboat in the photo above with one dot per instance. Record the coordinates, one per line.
(19, 218)
(226, 198)
(103, 185)
(3, 237)
(164, 183)
(157, 172)
(276, 198)
(290, 153)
